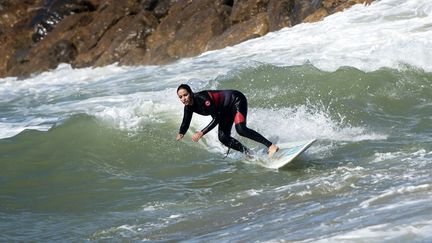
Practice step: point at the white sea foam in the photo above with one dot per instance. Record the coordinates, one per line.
(387, 34)
(11, 129)
(136, 113)
(290, 124)
(413, 232)
(337, 181)
(418, 158)
(394, 192)
(302, 123)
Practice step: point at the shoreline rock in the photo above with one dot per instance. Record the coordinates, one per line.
(37, 35)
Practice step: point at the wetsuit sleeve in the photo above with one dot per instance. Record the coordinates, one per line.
(211, 125)
(210, 107)
(187, 117)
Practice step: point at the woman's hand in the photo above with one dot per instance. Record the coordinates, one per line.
(197, 136)
(179, 137)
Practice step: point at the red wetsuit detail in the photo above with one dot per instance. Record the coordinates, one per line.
(239, 118)
(217, 97)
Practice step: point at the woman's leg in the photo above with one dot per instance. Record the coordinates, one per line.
(224, 135)
(240, 109)
(244, 131)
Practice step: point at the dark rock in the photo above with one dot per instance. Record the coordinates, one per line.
(162, 8)
(62, 51)
(332, 6)
(228, 2)
(18, 58)
(343, 4)
(15, 42)
(148, 5)
(49, 16)
(279, 13)
(128, 35)
(302, 9)
(243, 10)
(136, 32)
(318, 15)
(186, 30)
(255, 27)
(134, 45)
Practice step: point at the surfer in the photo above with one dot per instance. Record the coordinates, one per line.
(227, 107)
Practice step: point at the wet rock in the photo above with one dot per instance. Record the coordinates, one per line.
(318, 15)
(52, 14)
(37, 35)
(303, 9)
(62, 51)
(347, 4)
(244, 10)
(332, 6)
(186, 30)
(94, 39)
(15, 37)
(126, 37)
(255, 27)
(279, 13)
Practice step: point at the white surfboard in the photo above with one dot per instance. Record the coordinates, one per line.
(287, 153)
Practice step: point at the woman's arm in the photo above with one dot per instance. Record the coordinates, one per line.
(187, 117)
(210, 126)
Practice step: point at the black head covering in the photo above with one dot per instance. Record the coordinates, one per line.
(186, 87)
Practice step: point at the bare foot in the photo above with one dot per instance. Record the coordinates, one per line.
(272, 149)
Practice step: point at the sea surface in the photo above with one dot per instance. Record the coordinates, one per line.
(90, 154)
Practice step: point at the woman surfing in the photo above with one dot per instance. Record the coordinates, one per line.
(226, 107)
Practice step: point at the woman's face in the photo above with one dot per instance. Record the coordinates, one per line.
(185, 97)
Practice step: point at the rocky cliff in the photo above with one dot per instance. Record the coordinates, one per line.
(37, 35)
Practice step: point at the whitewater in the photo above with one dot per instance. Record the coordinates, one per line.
(90, 154)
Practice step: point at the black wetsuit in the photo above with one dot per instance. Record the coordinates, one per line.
(226, 107)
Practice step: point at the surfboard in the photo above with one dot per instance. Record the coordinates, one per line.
(287, 153)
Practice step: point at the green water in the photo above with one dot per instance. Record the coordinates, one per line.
(88, 179)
